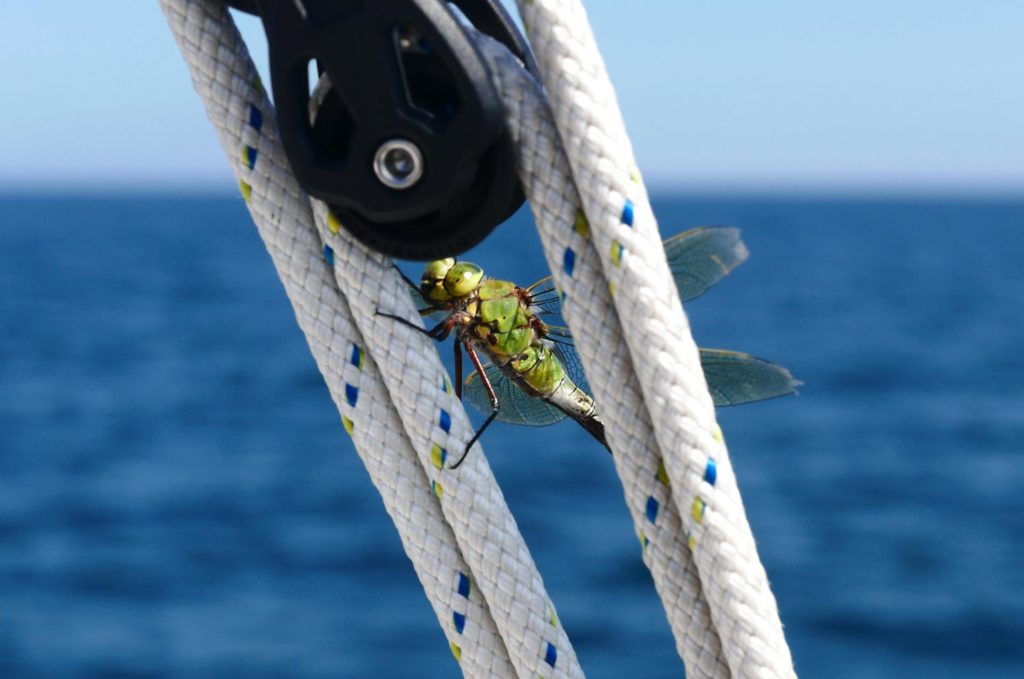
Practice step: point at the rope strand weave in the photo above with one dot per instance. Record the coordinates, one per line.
(227, 82)
(664, 356)
(436, 422)
(587, 306)
(396, 402)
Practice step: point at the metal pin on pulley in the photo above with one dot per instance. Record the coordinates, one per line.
(408, 146)
(398, 164)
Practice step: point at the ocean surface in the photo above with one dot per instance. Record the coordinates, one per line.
(178, 497)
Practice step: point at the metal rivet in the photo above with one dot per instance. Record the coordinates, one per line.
(398, 164)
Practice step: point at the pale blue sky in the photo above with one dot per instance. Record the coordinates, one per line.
(794, 94)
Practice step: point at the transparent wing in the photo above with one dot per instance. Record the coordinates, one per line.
(559, 334)
(517, 407)
(561, 343)
(735, 378)
(701, 257)
(546, 300)
(698, 259)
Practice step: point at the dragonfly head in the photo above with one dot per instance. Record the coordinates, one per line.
(462, 279)
(446, 279)
(432, 280)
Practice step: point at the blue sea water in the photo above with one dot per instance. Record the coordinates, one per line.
(178, 498)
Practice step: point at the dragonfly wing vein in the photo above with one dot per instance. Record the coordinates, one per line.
(515, 405)
(735, 378)
(701, 257)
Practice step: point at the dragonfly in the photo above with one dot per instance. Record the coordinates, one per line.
(533, 375)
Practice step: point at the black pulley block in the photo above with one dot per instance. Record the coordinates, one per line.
(408, 145)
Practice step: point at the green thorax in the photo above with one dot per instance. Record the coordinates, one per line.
(503, 322)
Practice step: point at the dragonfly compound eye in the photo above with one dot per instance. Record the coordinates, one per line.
(432, 280)
(463, 278)
(438, 269)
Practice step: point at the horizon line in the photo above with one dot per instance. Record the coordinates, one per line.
(217, 189)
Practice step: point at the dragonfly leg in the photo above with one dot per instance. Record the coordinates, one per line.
(495, 405)
(458, 370)
(438, 332)
(415, 287)
(408, 281)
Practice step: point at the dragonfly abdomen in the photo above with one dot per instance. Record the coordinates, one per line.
(578, 405)
(540, 373)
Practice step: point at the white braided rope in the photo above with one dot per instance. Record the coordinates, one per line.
(436, 423)
(587, 306)
(507, 575)
(433, 418)
(236, 104)
(664, 356)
